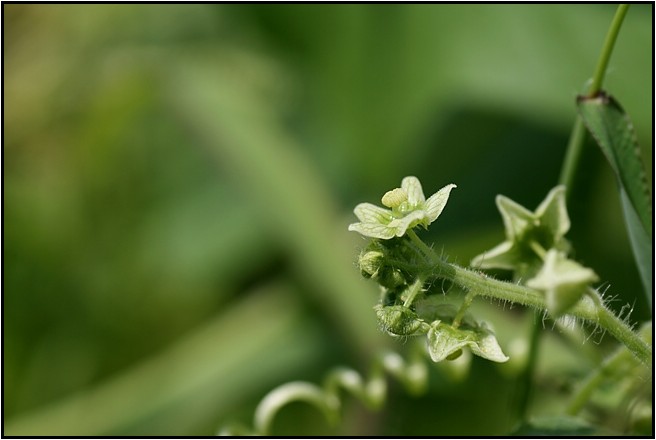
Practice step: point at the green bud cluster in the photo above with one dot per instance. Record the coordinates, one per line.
(381, 260)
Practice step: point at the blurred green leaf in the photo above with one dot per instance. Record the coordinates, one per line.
(612, 129)
(193, 380)
(238, 125)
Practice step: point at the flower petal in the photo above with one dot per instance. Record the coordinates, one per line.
(552, 213)
(412, 187)
(444, 340)
(502, 256)
(436, 203)
(516, 218)
(368, 213)
(374, 230)
(411, 220)
(487, 346)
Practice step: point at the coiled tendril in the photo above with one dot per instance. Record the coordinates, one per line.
(412, 374)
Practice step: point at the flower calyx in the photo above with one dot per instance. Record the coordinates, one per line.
(528, 234)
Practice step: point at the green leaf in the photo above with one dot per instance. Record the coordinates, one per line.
(611, 128)
(640, 243)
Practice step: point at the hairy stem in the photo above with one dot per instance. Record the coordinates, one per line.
(413, 291)
(463, 308)
(589, 308)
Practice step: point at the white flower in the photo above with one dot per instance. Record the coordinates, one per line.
(409, 208)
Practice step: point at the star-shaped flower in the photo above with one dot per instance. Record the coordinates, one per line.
(563, 281)
(408, 208)
(527, 233)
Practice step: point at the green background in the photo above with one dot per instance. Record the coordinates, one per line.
(178, 180)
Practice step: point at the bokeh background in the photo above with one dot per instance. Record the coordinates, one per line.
(178, 180)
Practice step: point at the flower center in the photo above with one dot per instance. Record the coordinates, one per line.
(394, 198)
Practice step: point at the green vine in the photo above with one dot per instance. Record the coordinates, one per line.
(372, 392)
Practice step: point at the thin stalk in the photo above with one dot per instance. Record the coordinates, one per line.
(413, 291)
(577, 138)
(607, 50)
(469, 298)
(573, 154)
(526, 379)
(423, 247)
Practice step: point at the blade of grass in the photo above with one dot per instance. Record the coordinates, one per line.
(613, 132)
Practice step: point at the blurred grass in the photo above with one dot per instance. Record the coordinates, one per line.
(164, 162)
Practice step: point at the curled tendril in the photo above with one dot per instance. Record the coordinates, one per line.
(412, 374)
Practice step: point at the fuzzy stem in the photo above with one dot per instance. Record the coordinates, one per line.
(413, 291)
(463, 308)
(589, 308)
(428, 252)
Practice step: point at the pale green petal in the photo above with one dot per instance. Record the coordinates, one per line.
(487, 346)
(516, 218)
(374, 230)
(436, 203)
(552, 213)
(411, 220)
(502, 256)
(368, 213)
(412, 187)
(444, 340)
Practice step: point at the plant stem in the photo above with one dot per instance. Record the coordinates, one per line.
(526, 378)
(577, 138)
(588, 308)
(428, 252)
(609, 43)
(463, 308)
(413, 291)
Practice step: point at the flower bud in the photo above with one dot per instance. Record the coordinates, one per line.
(563, 282)
(370, 263)
(398, 320)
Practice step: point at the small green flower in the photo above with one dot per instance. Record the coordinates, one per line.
(409, 208)
(528, 233)
(447, 342)
(563, 281)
